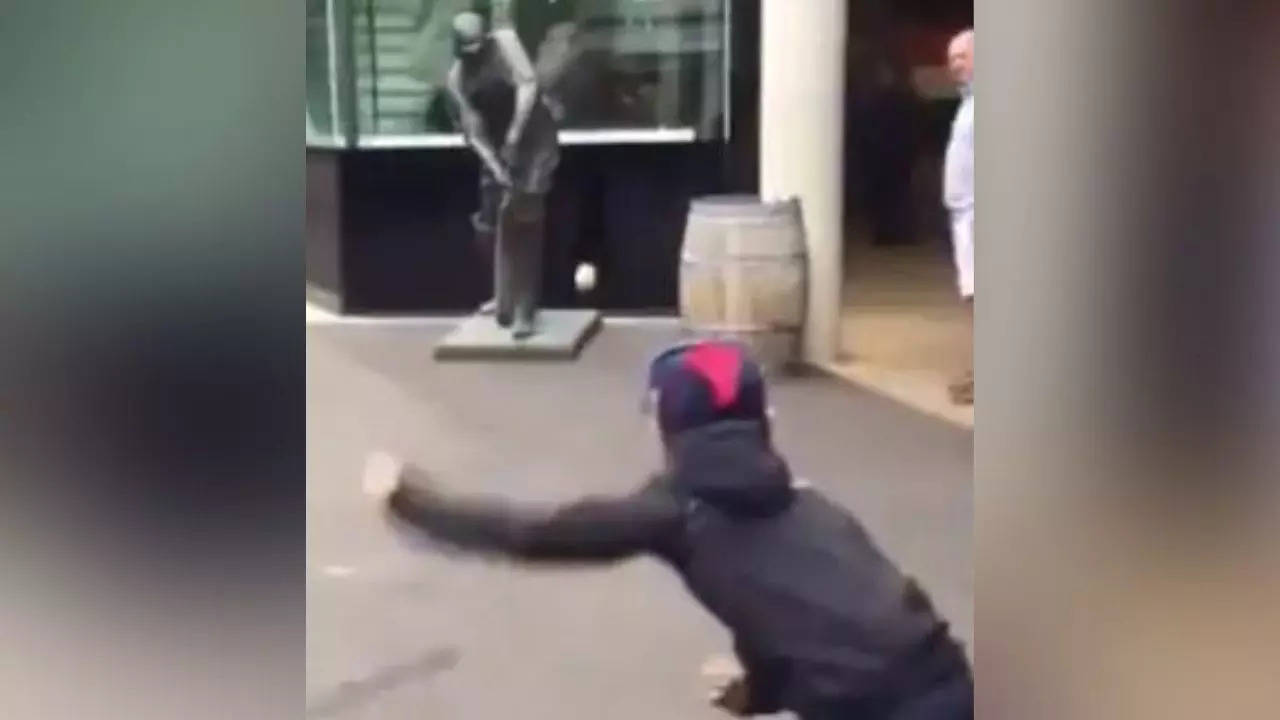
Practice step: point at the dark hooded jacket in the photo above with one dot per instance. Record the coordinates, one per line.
(822, 621)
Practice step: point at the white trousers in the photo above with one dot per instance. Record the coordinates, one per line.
(962, 248)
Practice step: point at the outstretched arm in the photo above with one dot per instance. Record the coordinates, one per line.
(589, 530)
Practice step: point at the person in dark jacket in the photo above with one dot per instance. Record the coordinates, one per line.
(824, 625)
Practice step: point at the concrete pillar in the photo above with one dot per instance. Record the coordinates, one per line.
(802, 83)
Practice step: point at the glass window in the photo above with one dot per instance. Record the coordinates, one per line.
(624, 65)
(321, 125)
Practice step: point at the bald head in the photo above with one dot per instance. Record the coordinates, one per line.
(960, 57)
(468, 33)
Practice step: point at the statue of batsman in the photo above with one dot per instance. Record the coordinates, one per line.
(502, 115)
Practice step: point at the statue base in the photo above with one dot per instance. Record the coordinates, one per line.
(558, 335)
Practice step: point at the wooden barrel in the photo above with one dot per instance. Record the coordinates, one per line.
(744, 275)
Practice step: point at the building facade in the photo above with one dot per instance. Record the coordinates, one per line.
(649, 92)
(662, 101)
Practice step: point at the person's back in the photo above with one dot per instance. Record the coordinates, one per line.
(822, 620)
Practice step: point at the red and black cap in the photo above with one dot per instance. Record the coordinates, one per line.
(703, 382)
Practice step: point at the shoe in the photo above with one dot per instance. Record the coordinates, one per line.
(523, 329)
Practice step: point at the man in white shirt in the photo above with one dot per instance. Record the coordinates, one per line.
(958, 196)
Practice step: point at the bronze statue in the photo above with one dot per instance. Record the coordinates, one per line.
(507, 124)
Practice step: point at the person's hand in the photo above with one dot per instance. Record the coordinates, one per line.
(509, 152)
(398, 487)
(381, 476)
(730, 691)
(388, 479)
(732, 696)
(503, 176)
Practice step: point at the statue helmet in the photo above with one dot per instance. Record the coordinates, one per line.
(468, 33)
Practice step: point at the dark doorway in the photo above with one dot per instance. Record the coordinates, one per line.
(898, 108)
(903, 328)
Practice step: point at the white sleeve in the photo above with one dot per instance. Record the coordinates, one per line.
(958, 186)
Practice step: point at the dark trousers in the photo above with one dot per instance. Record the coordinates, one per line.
(934, 684)
(509, 225)
(950, 699)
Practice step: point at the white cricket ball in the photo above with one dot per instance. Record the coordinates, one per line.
(584, 277)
